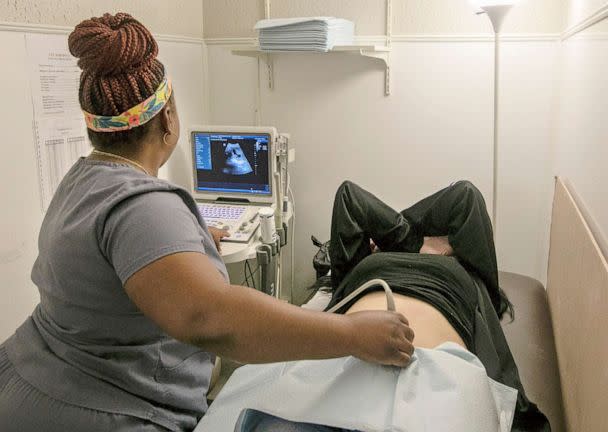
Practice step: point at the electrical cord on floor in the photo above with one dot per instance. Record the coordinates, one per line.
(390, 300)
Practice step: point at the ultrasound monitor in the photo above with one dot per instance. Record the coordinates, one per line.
(233, 163)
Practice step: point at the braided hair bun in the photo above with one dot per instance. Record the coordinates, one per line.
(112, 45)
(117, 55)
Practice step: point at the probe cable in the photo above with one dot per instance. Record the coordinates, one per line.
(390, 300)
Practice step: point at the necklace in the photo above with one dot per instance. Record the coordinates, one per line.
(124, 159)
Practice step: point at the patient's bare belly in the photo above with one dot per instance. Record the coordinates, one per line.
(430, 326)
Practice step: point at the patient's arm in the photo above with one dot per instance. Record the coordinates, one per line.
(431, 245)
(437, 246)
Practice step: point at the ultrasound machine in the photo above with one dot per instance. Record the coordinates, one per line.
(233, 177)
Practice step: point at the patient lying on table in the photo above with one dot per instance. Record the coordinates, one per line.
(438, 258)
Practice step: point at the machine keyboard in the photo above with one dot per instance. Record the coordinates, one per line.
(214, 211)
(240, 221)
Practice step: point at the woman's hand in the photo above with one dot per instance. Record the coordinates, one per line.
(437, 246)
(382, 337)
(218, 235)
(186, 296)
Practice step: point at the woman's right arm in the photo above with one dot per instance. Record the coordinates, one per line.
(189, 299)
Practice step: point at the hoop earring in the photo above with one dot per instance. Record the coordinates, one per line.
(165, 137)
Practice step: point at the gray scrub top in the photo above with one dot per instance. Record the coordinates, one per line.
(86, 342)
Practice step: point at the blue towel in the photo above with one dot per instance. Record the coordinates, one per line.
(442, 389)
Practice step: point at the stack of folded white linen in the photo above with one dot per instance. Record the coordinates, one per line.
(304, 34)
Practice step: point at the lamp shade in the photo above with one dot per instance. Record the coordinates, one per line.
(482, 6)
(496, 10)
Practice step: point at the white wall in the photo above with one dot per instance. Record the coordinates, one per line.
(160, 16)
(455, 17)
(235, 18)
(525, 186)
(581, 150)
(21, 216)
(579, 10)
(435, 127)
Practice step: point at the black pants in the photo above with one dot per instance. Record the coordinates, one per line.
(458, 211)
(467, 285)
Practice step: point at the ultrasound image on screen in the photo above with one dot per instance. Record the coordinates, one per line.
(235, 161)
(232, 163)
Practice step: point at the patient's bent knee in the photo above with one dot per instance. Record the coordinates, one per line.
(346, 184)
(467, 188)
(346, 188)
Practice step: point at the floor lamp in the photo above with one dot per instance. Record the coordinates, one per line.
(496, 11)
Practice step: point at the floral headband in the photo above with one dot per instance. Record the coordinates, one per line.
(138, 115)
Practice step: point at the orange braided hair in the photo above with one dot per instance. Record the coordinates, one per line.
(117, 55)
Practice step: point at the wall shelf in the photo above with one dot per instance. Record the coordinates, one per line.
(376, 52)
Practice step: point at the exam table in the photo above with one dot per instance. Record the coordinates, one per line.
(530, 337)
